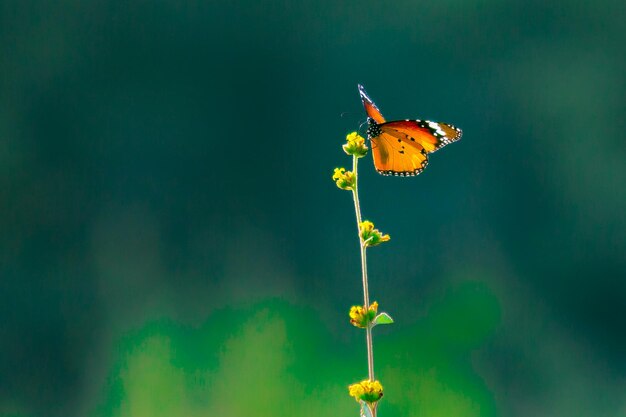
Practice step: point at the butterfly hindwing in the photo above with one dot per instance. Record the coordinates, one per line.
(395, 156)
(432, 136)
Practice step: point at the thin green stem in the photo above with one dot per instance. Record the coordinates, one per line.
(366, 300)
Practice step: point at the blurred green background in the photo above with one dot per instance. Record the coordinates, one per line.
(172, 243)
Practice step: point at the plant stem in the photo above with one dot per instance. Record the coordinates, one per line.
(366, 301)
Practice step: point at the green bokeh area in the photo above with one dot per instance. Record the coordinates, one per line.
(258, 361)
(172, 243)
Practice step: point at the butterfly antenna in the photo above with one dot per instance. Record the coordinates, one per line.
(361, 122)
(361, 125)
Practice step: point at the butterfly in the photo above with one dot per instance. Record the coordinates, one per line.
(401, 147)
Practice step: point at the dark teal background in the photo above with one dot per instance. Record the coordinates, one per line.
(172, 243)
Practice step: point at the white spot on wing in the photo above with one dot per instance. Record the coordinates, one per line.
(435, 126)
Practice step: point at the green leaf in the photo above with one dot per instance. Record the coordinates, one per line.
(383, 318)
(365, 410)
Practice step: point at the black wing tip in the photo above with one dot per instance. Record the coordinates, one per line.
(364, 95)
(459, 133)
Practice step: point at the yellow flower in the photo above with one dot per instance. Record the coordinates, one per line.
(360, 317)
(371, 236)
(355, 145)
(344, 179)
(366, 390)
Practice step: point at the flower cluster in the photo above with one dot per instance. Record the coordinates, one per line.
(371, 236)
(366, 390)
(355, 145)
(361, 317)
(346, 180)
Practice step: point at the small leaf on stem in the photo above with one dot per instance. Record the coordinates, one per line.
(383, 318)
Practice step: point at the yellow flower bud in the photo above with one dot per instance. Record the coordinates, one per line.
(366, 390)
(360, 317)
(344, 179)
(371, 236)
(355, 145)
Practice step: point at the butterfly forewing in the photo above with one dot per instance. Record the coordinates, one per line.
(370, 108)
(432, 136)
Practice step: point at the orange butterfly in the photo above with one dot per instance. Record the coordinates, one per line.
(401, 147)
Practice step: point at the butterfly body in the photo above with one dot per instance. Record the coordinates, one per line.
(401, 147)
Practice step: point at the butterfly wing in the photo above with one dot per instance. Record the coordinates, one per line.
(370, 108)
(393, 155)
(432, 136)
